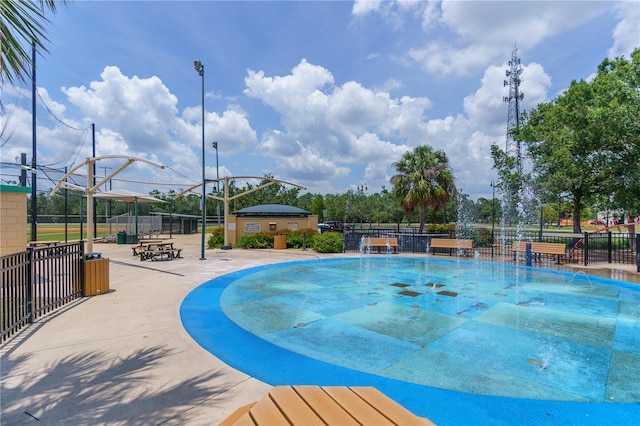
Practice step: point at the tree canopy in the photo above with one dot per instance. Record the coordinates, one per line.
(23, 24)
(585, 143)
(423, 180)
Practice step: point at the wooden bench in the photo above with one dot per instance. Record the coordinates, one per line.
(451, 244)
(324, 405)
(382, 242)
(538, 248)
(159, 254)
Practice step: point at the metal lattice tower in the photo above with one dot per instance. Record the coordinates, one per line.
(514, 99)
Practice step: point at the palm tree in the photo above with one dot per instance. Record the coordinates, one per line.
(22, 23)
(424, 180)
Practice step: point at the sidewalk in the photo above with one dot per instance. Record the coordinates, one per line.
(124, 357)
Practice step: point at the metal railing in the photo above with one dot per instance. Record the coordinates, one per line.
(581, 249)
(38, 281)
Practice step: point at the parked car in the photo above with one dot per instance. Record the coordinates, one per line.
(333, 225)
(596, 222)
(322, 227)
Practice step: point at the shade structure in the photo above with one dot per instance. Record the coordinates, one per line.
(129, 197)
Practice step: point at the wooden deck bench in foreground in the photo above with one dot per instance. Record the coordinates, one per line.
(538, 248)
(451, 244)
(324, 405)
(382, 242)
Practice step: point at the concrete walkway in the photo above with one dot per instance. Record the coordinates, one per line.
(124, 357)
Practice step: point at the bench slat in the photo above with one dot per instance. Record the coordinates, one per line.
(381, 242)
(326, 408)
(265, 412)
(451, 243)
(552, 249)
(236, 416)
(388, 407)
(363, 412)
(297, 411)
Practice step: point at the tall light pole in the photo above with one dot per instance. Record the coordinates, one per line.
(200, 70)
(34, 180)
(215, 146)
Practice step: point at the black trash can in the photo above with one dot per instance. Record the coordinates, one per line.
(122, 237)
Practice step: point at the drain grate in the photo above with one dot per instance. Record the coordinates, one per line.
(438, 285)
(409, 293)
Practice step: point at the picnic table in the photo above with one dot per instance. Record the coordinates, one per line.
(143, 243)
(157, 250)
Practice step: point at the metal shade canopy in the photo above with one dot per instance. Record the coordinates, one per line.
(129, 197)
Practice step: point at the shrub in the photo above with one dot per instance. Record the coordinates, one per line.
(216, 240)
(328, 242)
(483, 237)
(296, 238)
(256, 241)
(433, 228)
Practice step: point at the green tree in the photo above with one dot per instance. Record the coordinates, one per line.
(617, 110)
(423, 180)
(23, 23)
(586, 140)
(317, 207)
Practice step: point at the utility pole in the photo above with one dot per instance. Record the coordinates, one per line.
(513, 148)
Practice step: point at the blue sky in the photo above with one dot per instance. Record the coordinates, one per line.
(324, 94)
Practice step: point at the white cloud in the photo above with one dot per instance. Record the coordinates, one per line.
(327, 126)
(626, 34)
(478, 32)
(362, 7)
(486, 109)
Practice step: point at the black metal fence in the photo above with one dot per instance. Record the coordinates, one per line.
(38, 281)
(581, 249)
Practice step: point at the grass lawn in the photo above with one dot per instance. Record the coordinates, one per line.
(55, 231)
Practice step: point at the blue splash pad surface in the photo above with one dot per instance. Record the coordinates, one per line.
(343, 322)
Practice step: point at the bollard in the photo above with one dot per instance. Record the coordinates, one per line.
(304, 241)
(528, 254)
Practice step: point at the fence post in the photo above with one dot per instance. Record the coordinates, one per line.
(31, 279)
(585, 245)
(81, 279)
(609, 247)
(637, 253)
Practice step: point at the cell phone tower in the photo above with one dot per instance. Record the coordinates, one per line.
(513, 148)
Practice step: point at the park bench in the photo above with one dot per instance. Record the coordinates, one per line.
(324, 405)
(538, 248)
(451, 244)
(382, 242)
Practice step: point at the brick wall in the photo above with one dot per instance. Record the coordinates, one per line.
(13, 219)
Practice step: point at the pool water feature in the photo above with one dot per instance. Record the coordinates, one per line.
(439, 328)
